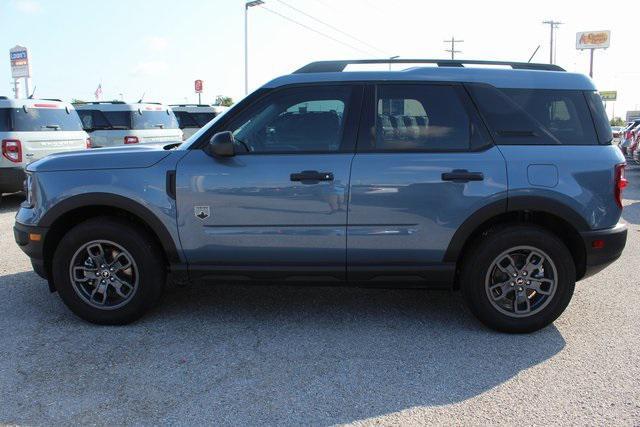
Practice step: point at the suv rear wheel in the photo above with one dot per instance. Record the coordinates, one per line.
(518, 279)
(108, 272)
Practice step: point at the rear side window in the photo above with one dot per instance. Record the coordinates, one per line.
(600, 119)
(145, 119)
(420, 118)
(45, 119)
(536, 116)
(5, 122)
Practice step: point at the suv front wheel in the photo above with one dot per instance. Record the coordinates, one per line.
(518, 279)
(107, 271)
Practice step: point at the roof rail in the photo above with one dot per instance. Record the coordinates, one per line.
(99, 102)
(51, 99)
(338, 66)
(189, 105)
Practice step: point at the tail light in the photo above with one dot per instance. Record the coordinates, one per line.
(130, 139)
(12, 150)
(620, 183)
(88, 142)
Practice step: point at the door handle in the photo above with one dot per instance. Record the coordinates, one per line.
(311, 176)
(462, 175)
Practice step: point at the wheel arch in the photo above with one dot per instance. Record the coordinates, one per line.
(73, 210)
(552, 215)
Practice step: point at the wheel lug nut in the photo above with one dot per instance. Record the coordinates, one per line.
(524, 273)
(112, 279)
(515, 274)
(512, 284)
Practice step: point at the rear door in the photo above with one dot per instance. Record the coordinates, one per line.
(424, 165)
(280, 204)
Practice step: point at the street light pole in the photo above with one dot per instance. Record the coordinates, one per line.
(247, 5)
(391, 58)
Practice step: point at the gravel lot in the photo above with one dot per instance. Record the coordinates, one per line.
(289, 356)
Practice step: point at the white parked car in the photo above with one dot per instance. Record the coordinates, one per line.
(116, 123)
(191, 117)
(31, 129)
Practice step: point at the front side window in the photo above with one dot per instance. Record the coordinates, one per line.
(145, 119)
(309, 119)
(45, 119)
(420, 118)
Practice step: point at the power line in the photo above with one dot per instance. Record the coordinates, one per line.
(312, 29)
(331, 26)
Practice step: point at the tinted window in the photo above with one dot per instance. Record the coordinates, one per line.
(154, 120)
(603, 127)
(203, 118)
(185, 120)
(101, 120)
(299, 119)
(5, 123)
(420, 117)
(45, 119)
(526, 116)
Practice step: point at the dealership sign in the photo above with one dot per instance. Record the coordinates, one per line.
(198, 86)
(19, 59)
(608, 95)
(593, 39)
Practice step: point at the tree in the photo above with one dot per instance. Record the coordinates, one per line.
(223, 101)
(617, 121)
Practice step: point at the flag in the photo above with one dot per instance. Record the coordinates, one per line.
(98, 92)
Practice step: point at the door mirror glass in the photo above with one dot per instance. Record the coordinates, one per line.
(221, 145)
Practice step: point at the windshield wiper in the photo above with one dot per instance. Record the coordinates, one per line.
(56, 127)
(159, 125)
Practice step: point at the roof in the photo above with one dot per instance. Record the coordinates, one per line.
(119, 106)
(33, 103)
(520, 76)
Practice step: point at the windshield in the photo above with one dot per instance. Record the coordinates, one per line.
(44, 119)
(164, 119)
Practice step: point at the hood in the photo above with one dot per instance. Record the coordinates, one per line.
(141, 156)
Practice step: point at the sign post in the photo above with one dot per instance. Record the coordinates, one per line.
(19, 58)
(592, 40)
(198, 87)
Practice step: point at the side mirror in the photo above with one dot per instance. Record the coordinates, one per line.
(221, 145)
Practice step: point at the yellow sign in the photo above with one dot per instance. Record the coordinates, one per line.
(593, 39)
(608, 95)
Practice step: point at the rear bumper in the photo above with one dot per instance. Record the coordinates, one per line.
(603, 247)
(33, 248)
(11, 180)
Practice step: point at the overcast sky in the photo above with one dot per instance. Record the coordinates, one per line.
(159, 47)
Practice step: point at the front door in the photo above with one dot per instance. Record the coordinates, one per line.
(279, 206)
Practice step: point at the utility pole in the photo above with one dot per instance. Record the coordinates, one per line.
(553, 25)
(453, 50)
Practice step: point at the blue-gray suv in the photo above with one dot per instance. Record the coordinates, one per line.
(497, 179)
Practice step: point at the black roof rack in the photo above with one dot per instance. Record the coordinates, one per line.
(338, 66)
(100, 102)
(189, 105)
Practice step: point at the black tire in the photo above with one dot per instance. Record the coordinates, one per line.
(478, 260)
(151, 270)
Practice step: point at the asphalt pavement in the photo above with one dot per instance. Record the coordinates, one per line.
(256, 355)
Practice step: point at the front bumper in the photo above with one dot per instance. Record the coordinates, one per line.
(33, 246)
(603, 247)
(11, 180)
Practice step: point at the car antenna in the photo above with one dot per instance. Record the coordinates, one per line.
(32, 93)
(141, 98)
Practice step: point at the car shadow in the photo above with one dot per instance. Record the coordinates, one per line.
(11, 202)
(246, 355)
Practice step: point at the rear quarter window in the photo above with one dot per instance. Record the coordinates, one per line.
(5, 122)
(537, 116)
